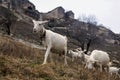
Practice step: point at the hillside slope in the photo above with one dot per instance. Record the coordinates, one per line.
(21, 62)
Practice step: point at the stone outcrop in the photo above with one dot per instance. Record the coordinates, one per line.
(17, 5)
(54, 14)
(58, 17)
(57, 13)
(26, 7)
(21, 6)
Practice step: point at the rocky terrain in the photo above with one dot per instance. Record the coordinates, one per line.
(16, 20)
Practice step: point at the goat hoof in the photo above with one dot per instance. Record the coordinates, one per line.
(43, 64)
(65, 64)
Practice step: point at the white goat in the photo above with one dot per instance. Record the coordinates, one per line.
(84, 57)
(99, 57)
(74, 54)
(51, 39)
(114, 70)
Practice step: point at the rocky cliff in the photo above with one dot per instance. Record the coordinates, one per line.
(57, 13)
(21, 6)
(80, 34)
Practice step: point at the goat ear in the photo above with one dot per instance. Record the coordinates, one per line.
(43, 22)
(43, 30)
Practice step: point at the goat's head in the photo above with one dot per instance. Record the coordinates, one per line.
(39, 26)
(90, 63)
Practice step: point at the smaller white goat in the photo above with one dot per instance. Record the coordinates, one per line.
(114, 70)
(100, 57)
(75, 54)
(84, 57)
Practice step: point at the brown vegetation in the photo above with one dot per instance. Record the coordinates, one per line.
(20, 62)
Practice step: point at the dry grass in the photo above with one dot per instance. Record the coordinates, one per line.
(20, 62)
(11, 47)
